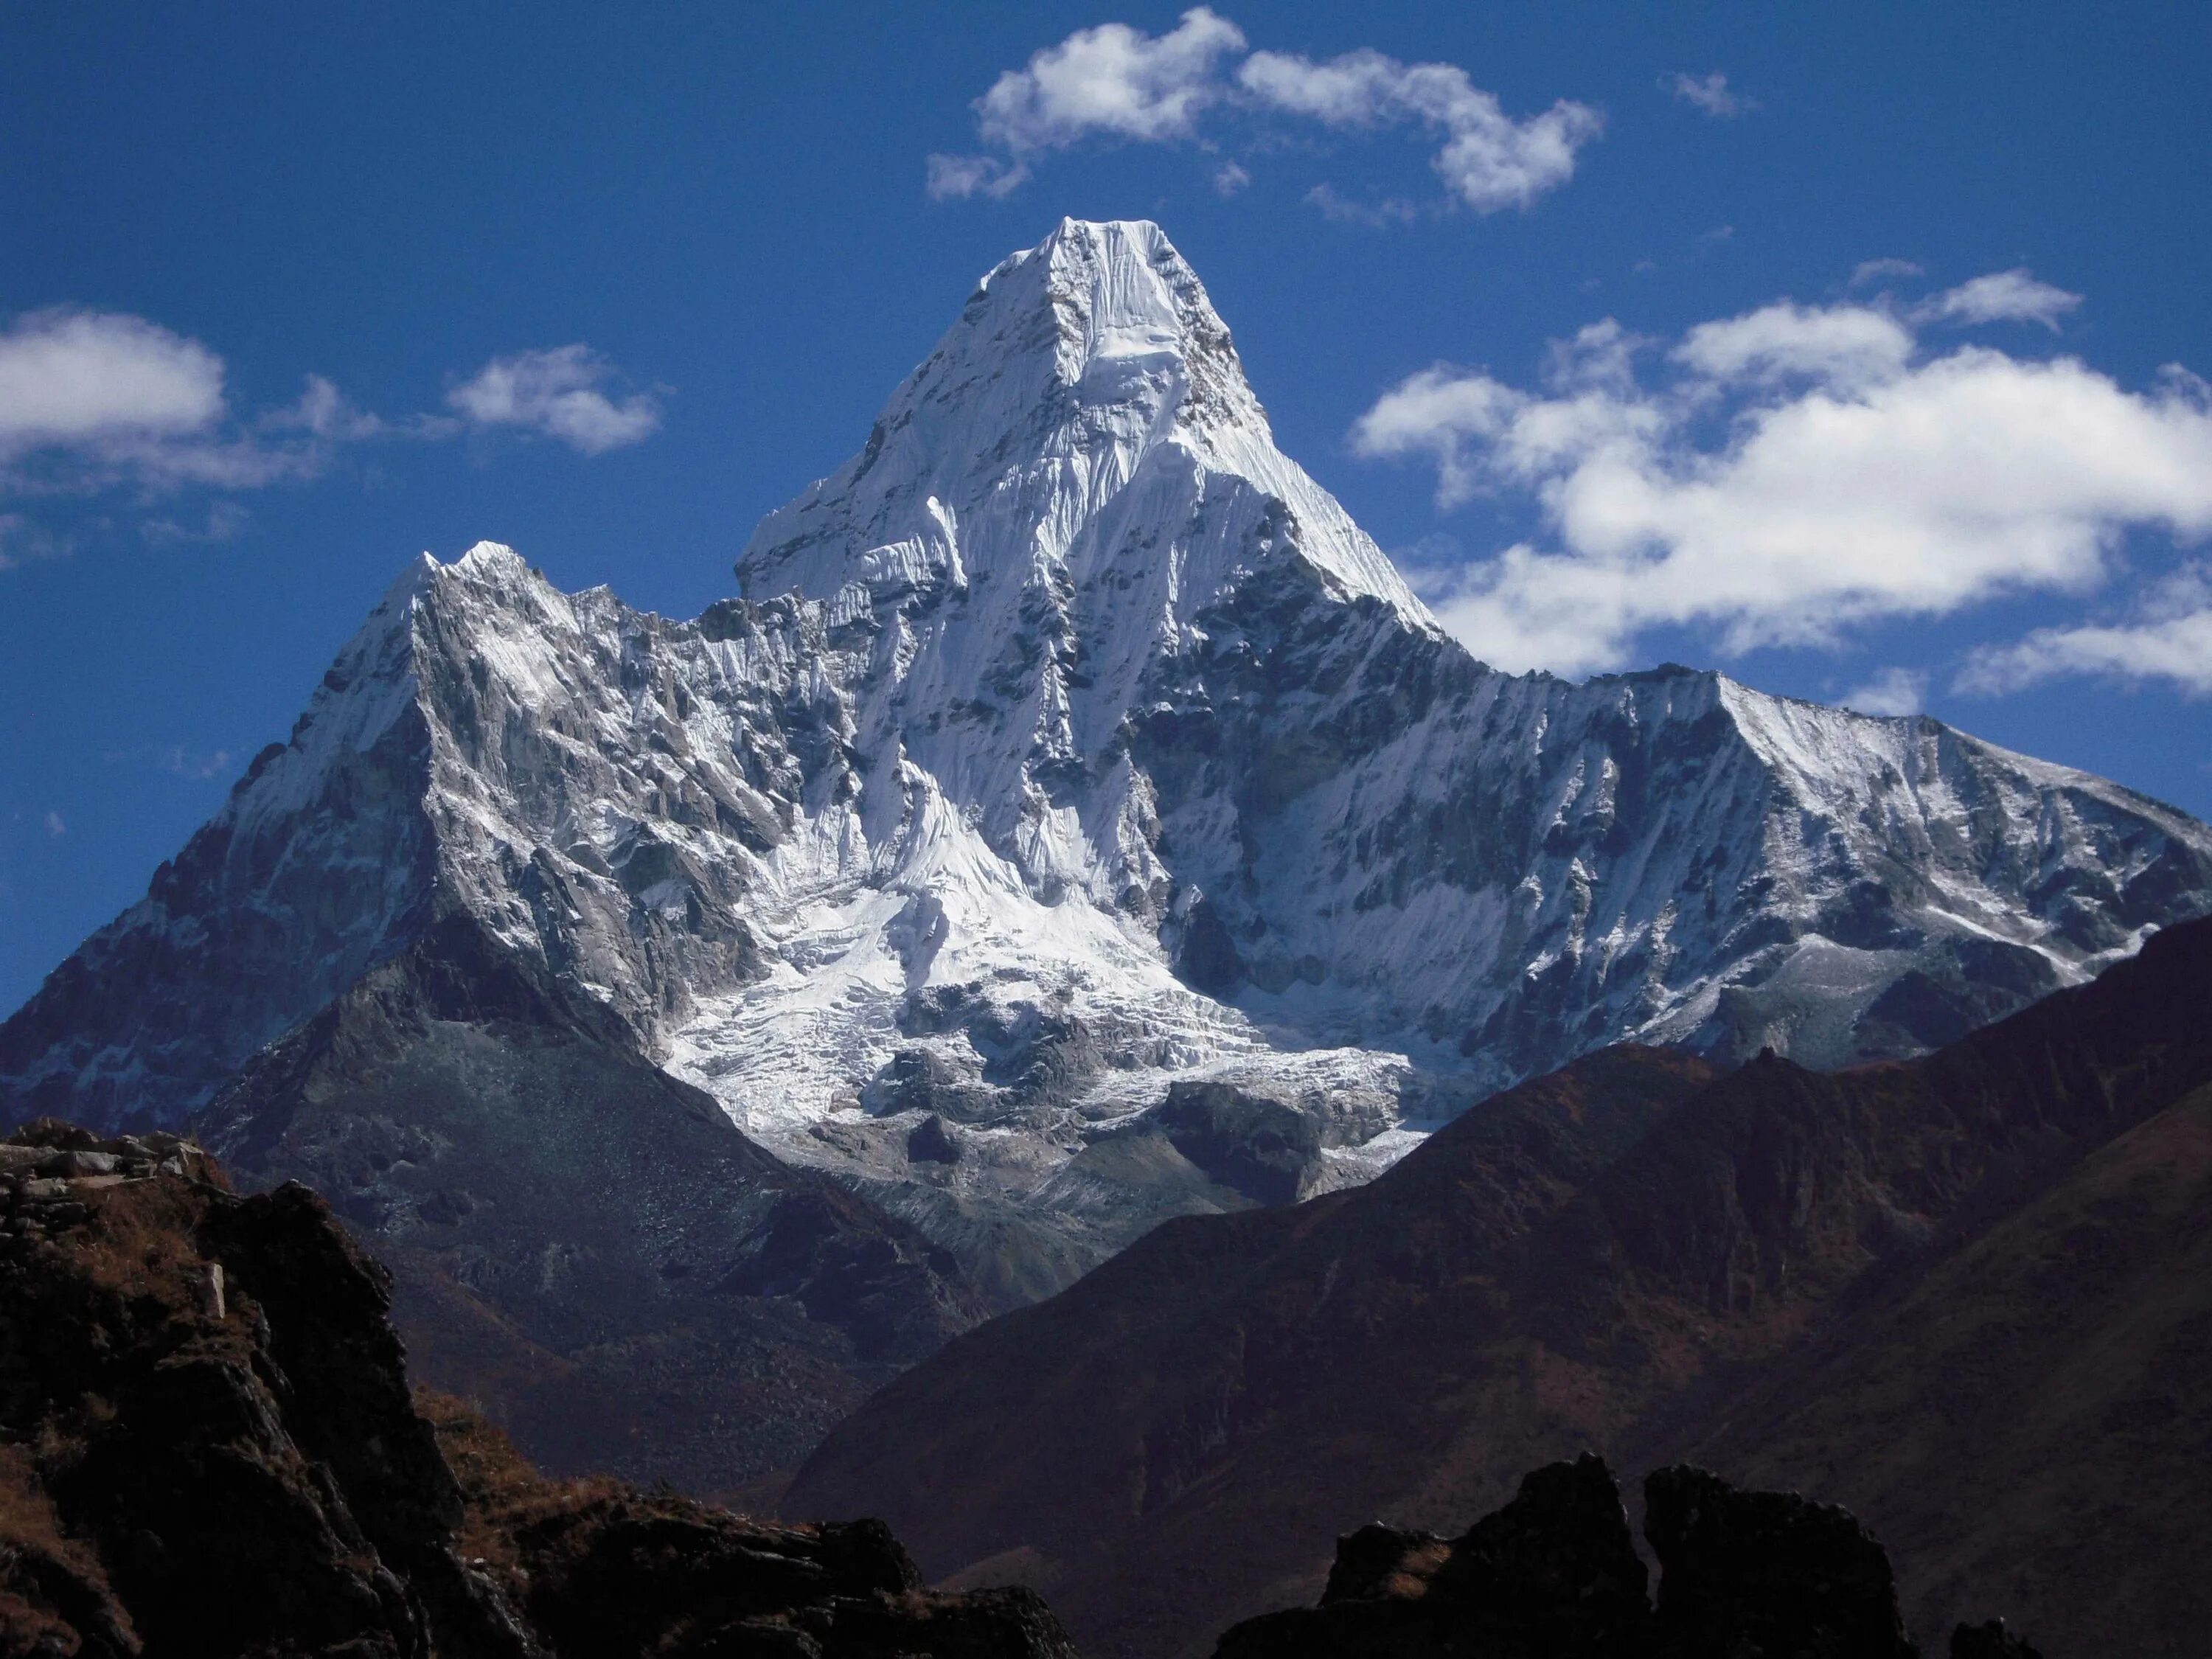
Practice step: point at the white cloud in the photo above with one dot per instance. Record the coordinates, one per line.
(1229, 178)
(325, 412)
(956, 177)
(1842, 345)
(1802, 470)
(92, 400)
(1890, 692)
(2003, 296)
(22, 541)
(557, 392)
(1710, 93)
(1114, 81)
(98, 401)
(55, 826)
(1874, 271)
(74, 377)
(224, 520)
(95, 400)
(1489, 161)
(2170, 641)
(2174, 649)
(1390, 210)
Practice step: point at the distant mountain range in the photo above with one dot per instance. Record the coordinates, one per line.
(1076, 823)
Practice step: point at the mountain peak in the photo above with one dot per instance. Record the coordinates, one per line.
(1119, 318)
(488, 558)
(1088, 369)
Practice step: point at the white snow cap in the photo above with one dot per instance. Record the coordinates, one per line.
(1076, 367)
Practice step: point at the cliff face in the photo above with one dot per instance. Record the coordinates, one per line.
(208, 1446)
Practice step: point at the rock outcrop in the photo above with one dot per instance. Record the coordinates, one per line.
(1554, 1575)
(208, 1446)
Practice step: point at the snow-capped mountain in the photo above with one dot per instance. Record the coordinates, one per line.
(1072, 752)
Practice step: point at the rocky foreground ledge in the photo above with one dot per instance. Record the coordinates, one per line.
(208, 1446)
(1554, 1575)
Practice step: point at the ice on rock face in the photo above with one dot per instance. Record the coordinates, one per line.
(1068, 745)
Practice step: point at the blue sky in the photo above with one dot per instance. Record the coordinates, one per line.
(287, 295)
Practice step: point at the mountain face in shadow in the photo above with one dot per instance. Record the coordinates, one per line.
(1964, 1295)
(577, 1239)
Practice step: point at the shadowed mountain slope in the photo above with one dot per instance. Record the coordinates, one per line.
(577, 1239)
(1860, 1284)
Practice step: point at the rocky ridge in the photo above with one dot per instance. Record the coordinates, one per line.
(578, 1239)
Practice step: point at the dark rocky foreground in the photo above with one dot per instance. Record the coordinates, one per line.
(208, 1446)
(1554, 1575)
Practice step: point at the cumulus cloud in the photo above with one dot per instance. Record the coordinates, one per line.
(2169, 641)
(96, 401)
(1111, 79)
(1710, 93)
(76, 377)
(1874, 271)
(1345, 210)
(224, 520)
(22, 540)
(1117, 81)
(1890, 692)
(325, 412)
(2003, 296)
(556, 392)
(1489, 161)
(1785, 474)
(955, 177)
(1229, 178)
(91, 400)
(1836, 345)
